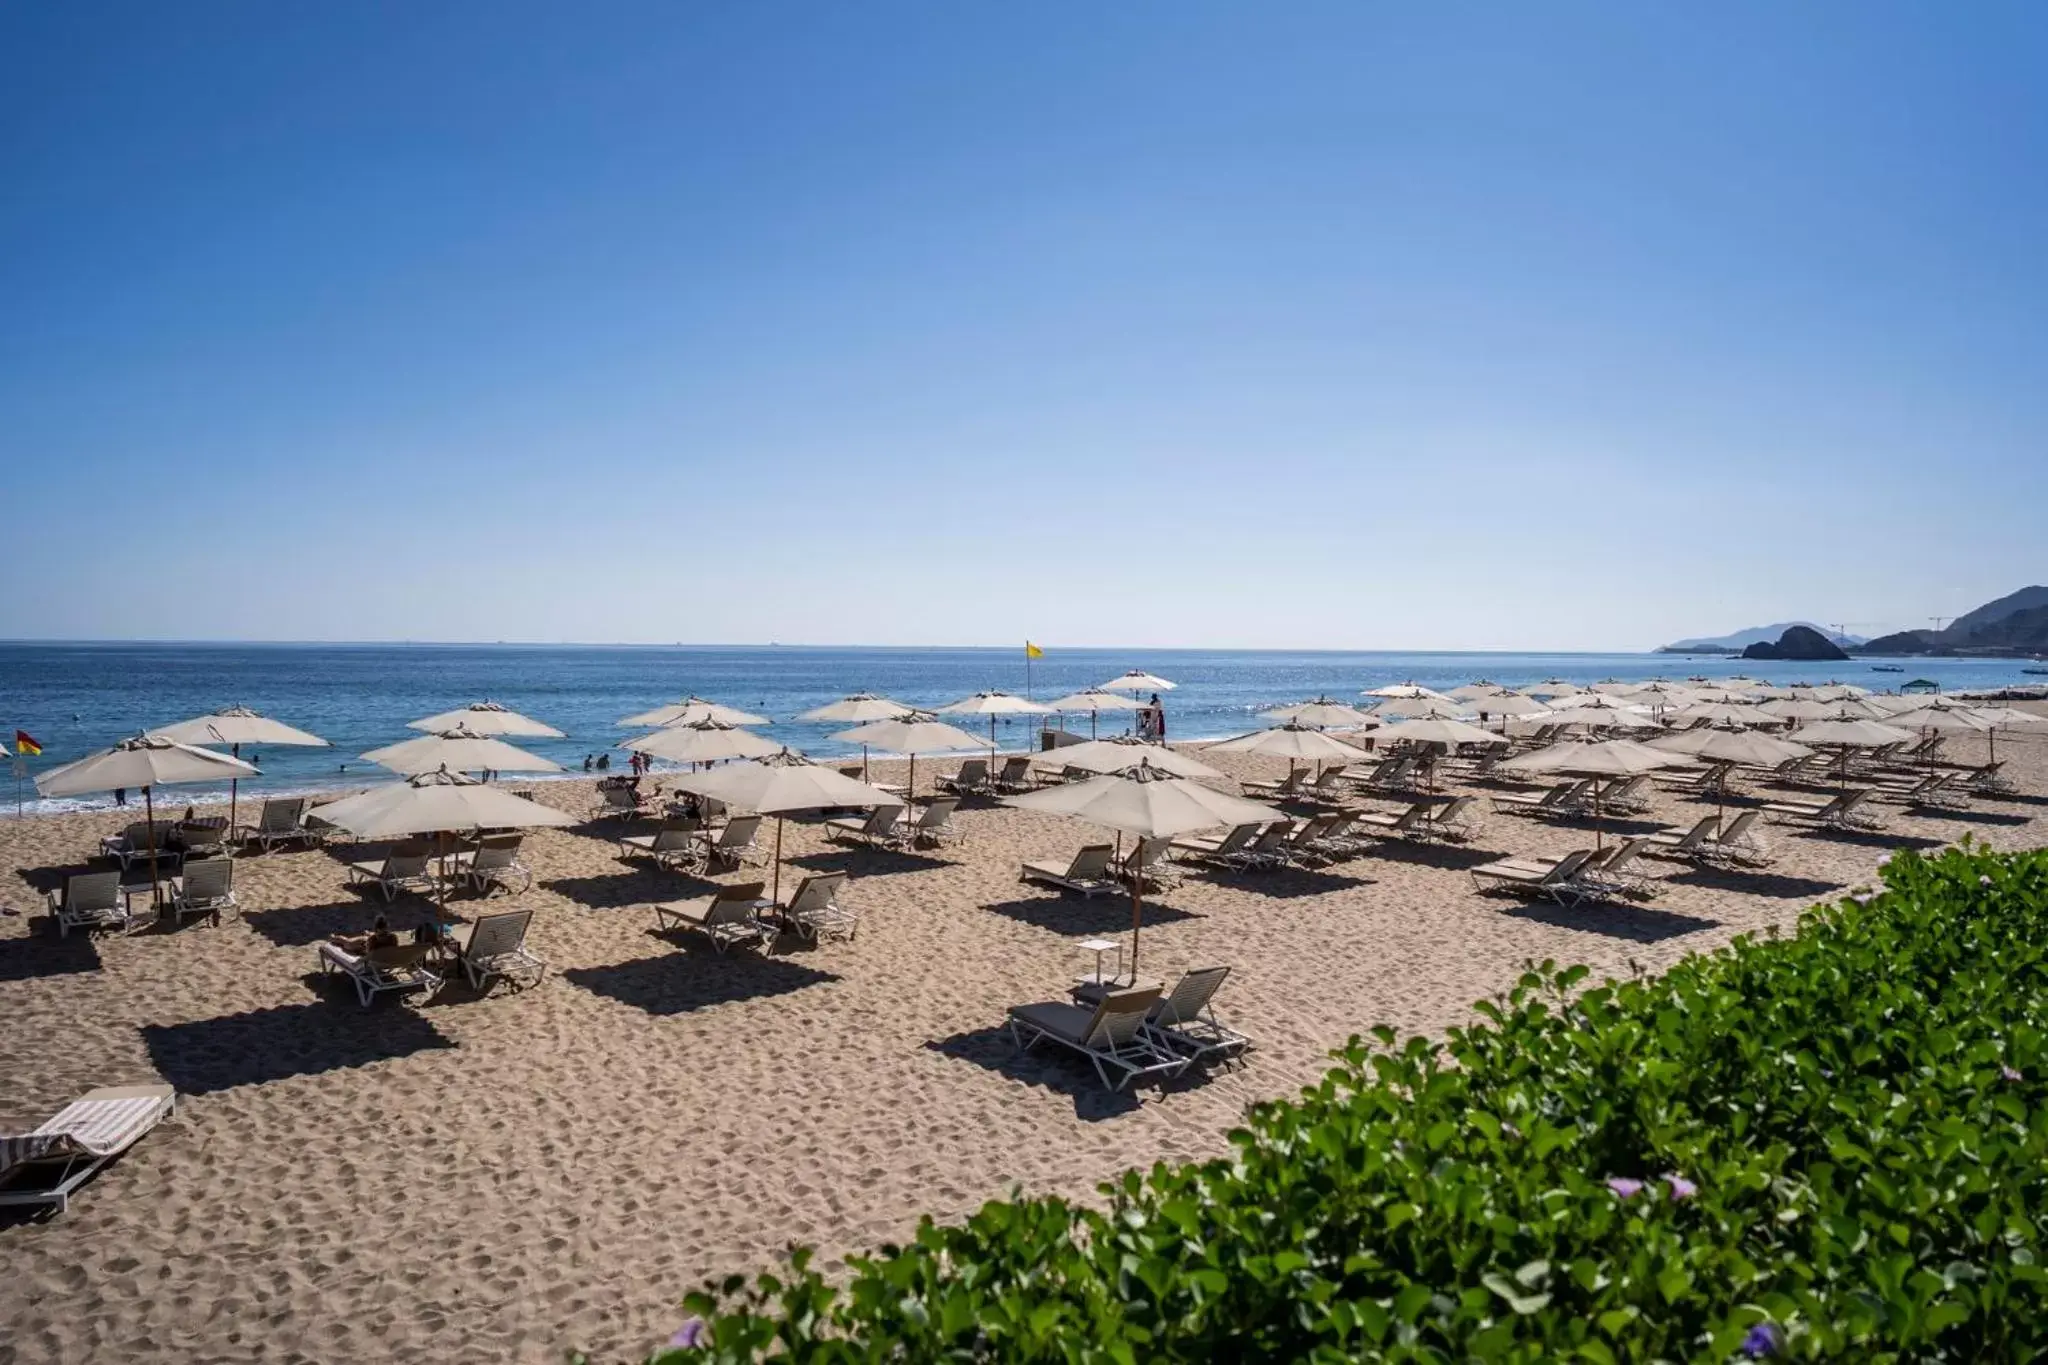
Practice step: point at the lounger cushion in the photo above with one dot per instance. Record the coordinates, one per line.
(1066, 1022)
(99, 1124)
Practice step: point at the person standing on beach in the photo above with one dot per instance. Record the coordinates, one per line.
(120, 796)
(1158, 719)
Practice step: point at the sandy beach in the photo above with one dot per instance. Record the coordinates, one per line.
(509, 1177)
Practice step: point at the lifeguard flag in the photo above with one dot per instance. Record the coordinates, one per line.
(1032, 651)
(24, 743)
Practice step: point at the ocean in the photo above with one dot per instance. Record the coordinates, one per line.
(78, 697)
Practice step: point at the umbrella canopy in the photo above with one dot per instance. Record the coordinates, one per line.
(1675, 694)
(1295, 743)
(858, 709)
(1743, 747)
(1609, 758)
(1725, 713)
(144, 761)
(1472, 691)
(1504, 704)
(913, 734)
(1145, 802)
(1321, 713)
(1949, 719)
(690, 710)
(1852, 734)
(704, 741)
(1594, 712)
(993, 704)
(782, 785)
(433, 803)
(486, 718)
(1931, 701)
(1137, 680)
(236, 725)
(1552, 687)
(1435, 731)
(459, 750)
(2008, 717)
(1118, 755)
(1407, 691)
(1418, 708)
(1093, 699)
(1797, 708)
(1723, 694)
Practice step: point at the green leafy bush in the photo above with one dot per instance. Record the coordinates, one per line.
(1824, 1146)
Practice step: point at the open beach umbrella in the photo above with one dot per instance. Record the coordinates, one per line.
(1436, 730)
(1608, 758)
(1846, 734)
(459, 750)
(860, 708)
(910, 736)
(2005, 718)
(1744, 748)
(486, 718)
(146, 761)
(704, 741)
(1481, 687)
(1504, 704)
(1294, 742)
(1422, 708)
(1117, 755)
(1137, 680)
(439, 802)
(1322, 713)
(1094, 700)
(1407, 691)
(783, 784)
(1147, 804)
(691, 710)
(235, 726)
(1725, 713)
(1552, 687)
(1595, 711)
(993, 704)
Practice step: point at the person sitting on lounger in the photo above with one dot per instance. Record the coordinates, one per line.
(361, 945)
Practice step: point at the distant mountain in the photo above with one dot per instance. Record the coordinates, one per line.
(1755, 635)
(2014, 624)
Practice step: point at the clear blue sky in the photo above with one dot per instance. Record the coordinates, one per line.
(1318, 324)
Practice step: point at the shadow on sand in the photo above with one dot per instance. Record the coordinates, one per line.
(286, 1040)
(695, 979)
(1053, 1068)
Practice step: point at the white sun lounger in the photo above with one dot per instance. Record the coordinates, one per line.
(1184, 1021)
(47, 1165)
(815, 912)
(281, 821)
(494, 863)
(730, 916)
(1088, 873)
(90, 900)
(495, 948)
(405, 871)
(878, 826)
(206, 887)
(1112, 1036)
(1558, 881)
(735, 843)
(934, 825)
(373, 975)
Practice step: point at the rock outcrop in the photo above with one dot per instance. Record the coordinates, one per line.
(1798, 642)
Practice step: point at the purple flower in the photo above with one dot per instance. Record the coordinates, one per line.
(1681, 1188)
(692, 1333)
(1885, 861)
(1984, 881)
(1623, 1187)
(2010, 1073)
(1763, 1340)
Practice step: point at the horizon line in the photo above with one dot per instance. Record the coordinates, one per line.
(6, 641)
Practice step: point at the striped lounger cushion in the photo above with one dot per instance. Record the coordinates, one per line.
(101, 1124)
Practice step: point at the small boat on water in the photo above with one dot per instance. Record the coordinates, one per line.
(1886, 668)
(2034, 670)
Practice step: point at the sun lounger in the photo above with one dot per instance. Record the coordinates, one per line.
(934, 825)
(1631, 795)
(1390, 774)
(380, 970)
(1689, 846)
(1341, 839)
(1088, 873)
(202, 838)
(90, 900)
(1303, 848)
(1226, 845)
(48, 1165)
(675, 846)
(621, 800)
(1148, 861)
(1456, 822)
(400, 871)
(206, 887)
(1411, 822)
(734, 843)
(1615, 869)
(1112, 1036)
(1183, 1021)
(971, 780)
(1736, 843)
(1268, 850)
(1844, 811)
(814, 910)
(1328, 789)
(1016, 774)
(1558, 881)
(132, 845)
(494, 948)
(1275, 789)
(494, 863)
(281, 821)
(878, 826)
(730, 916)
(1557, 798)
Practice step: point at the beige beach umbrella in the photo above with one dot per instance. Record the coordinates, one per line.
(1608, 758)
(1744, 748)
(1094, 701)
(439, 802)
(1147, 804)
(1614, 687)
(1849, 733)
(1119, 755)
(1422, 708)
(1322, 713)
(917, 733)
(1505, 704)
(1592, 711)
(486, 718)
(1732, 695)
(859, 708)
(783, 784)
(1407, 691)
(459, 750)
(1435, 730)
(235, 726)
(1473, 691)
(146, 761)
(1796, 709)
(704, 741)
(993, 704)
(1551, 687)
(1892, 704)
(2005, 718)
(1137, 680)
(1726, 713)
(1293, 742)
(691, 710)
(1948, 719)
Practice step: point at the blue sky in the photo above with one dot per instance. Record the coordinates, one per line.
(1323, 324)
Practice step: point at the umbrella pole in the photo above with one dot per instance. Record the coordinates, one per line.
(156, 899)
(1137, 917)
(234, 789)
(863, 762)
(777, 894)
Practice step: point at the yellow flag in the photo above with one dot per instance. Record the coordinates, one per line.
(1032, 651)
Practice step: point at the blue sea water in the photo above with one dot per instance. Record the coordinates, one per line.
(77, 697)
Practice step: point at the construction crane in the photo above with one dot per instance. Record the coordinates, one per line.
(1940, 621)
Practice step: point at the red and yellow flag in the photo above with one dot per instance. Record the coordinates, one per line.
(24, 743)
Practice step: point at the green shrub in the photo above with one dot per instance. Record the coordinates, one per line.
(1824, 1146)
